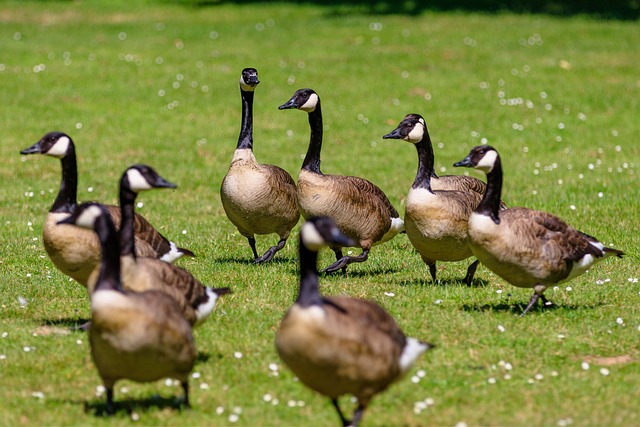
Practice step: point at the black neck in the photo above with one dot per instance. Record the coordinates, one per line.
(127, 233)
(245, 140)
(309, 293)
(425, 163)
(68, 194)
(312, 159)
(490, 204)
(109, 276)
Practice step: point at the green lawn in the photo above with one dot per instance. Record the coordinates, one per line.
(158, 83)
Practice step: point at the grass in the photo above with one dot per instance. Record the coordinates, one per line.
(157, 83)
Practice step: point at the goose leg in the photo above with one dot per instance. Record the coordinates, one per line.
(185, 387)
(357, 417)
(345, 422)
(271, 252)
(344, 261)
(252, 243)
(432, 271)
(471, 271)
(545, 301)
(532, 302)
(110, 410)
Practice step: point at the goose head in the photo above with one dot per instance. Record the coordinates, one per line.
(320, 232)
(141, 177)
(249, 79)
(304, 99)
(86, 215)
(412, 129)
(55, 144)
(481, 157)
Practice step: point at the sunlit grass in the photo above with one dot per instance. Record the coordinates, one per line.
(158, 83)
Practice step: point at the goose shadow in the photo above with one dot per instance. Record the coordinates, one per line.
(247, 261)
(72, 324)
(476, 283)
(98, 406)
(517, 307)
(376, 271)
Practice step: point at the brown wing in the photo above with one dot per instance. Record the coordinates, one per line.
(149, 241)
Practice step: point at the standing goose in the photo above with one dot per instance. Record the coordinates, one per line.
(142, 273)
(257, 198)
(436, 214)
(527, 248)
(137, 336)
(77, 252)
(360, 209)
(340, 345)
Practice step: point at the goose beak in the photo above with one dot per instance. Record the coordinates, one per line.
(394, 134)
(341, 239)
(34, 149)
(288, 105)
(466, 162)
(163, 183)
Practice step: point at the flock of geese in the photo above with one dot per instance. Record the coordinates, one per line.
(143, 307)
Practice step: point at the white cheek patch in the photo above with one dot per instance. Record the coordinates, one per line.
(59, 149)
(88, 217)
(311, 239)
(311, 103)
(488, 161)
(417, 132)
(246, 87)
(137, 182)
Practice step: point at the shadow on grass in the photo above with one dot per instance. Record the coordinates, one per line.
(518, 307)
(98, 407)
(378, 271)
(476, 283)
(73, 324)
(248, 261)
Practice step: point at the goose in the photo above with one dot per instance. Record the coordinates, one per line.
(137, 336)
(360, 209)
(257, 198)
(437, 208)
(76, 252)
(526, 247)
(341, 345)
(143, 273)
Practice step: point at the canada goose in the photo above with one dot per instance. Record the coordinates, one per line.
(257, 198)
(527, 248)
(137, 336)
(435, 220)
(360, 209)
(77, 252)
(142, 273)
(340, 345)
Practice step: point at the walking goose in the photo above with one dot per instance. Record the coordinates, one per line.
(436, 219)
(257, 198)
(360, 209)
(142, 273)
(527, 248)
(137, 336)
(340, 345)
(76, 252)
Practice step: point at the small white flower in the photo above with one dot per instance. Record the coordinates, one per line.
(415, 379)
(168, 382)
(291, 403)
(38, 394)
(501, 328)
(219, 410)
(135, 416)
(237, 355)
(267, 397)
(619, 321)
(539, 377)
(204, 386)
(508, 366)
(554, 373)
(26, 348)
(79, 342)
(390, 294)
(429, 401)
(604, 371)
(584, 365)
(438, 301)
(196, 375)
(507, 376)
(491, 380)
(421, 373)
(233, 418)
